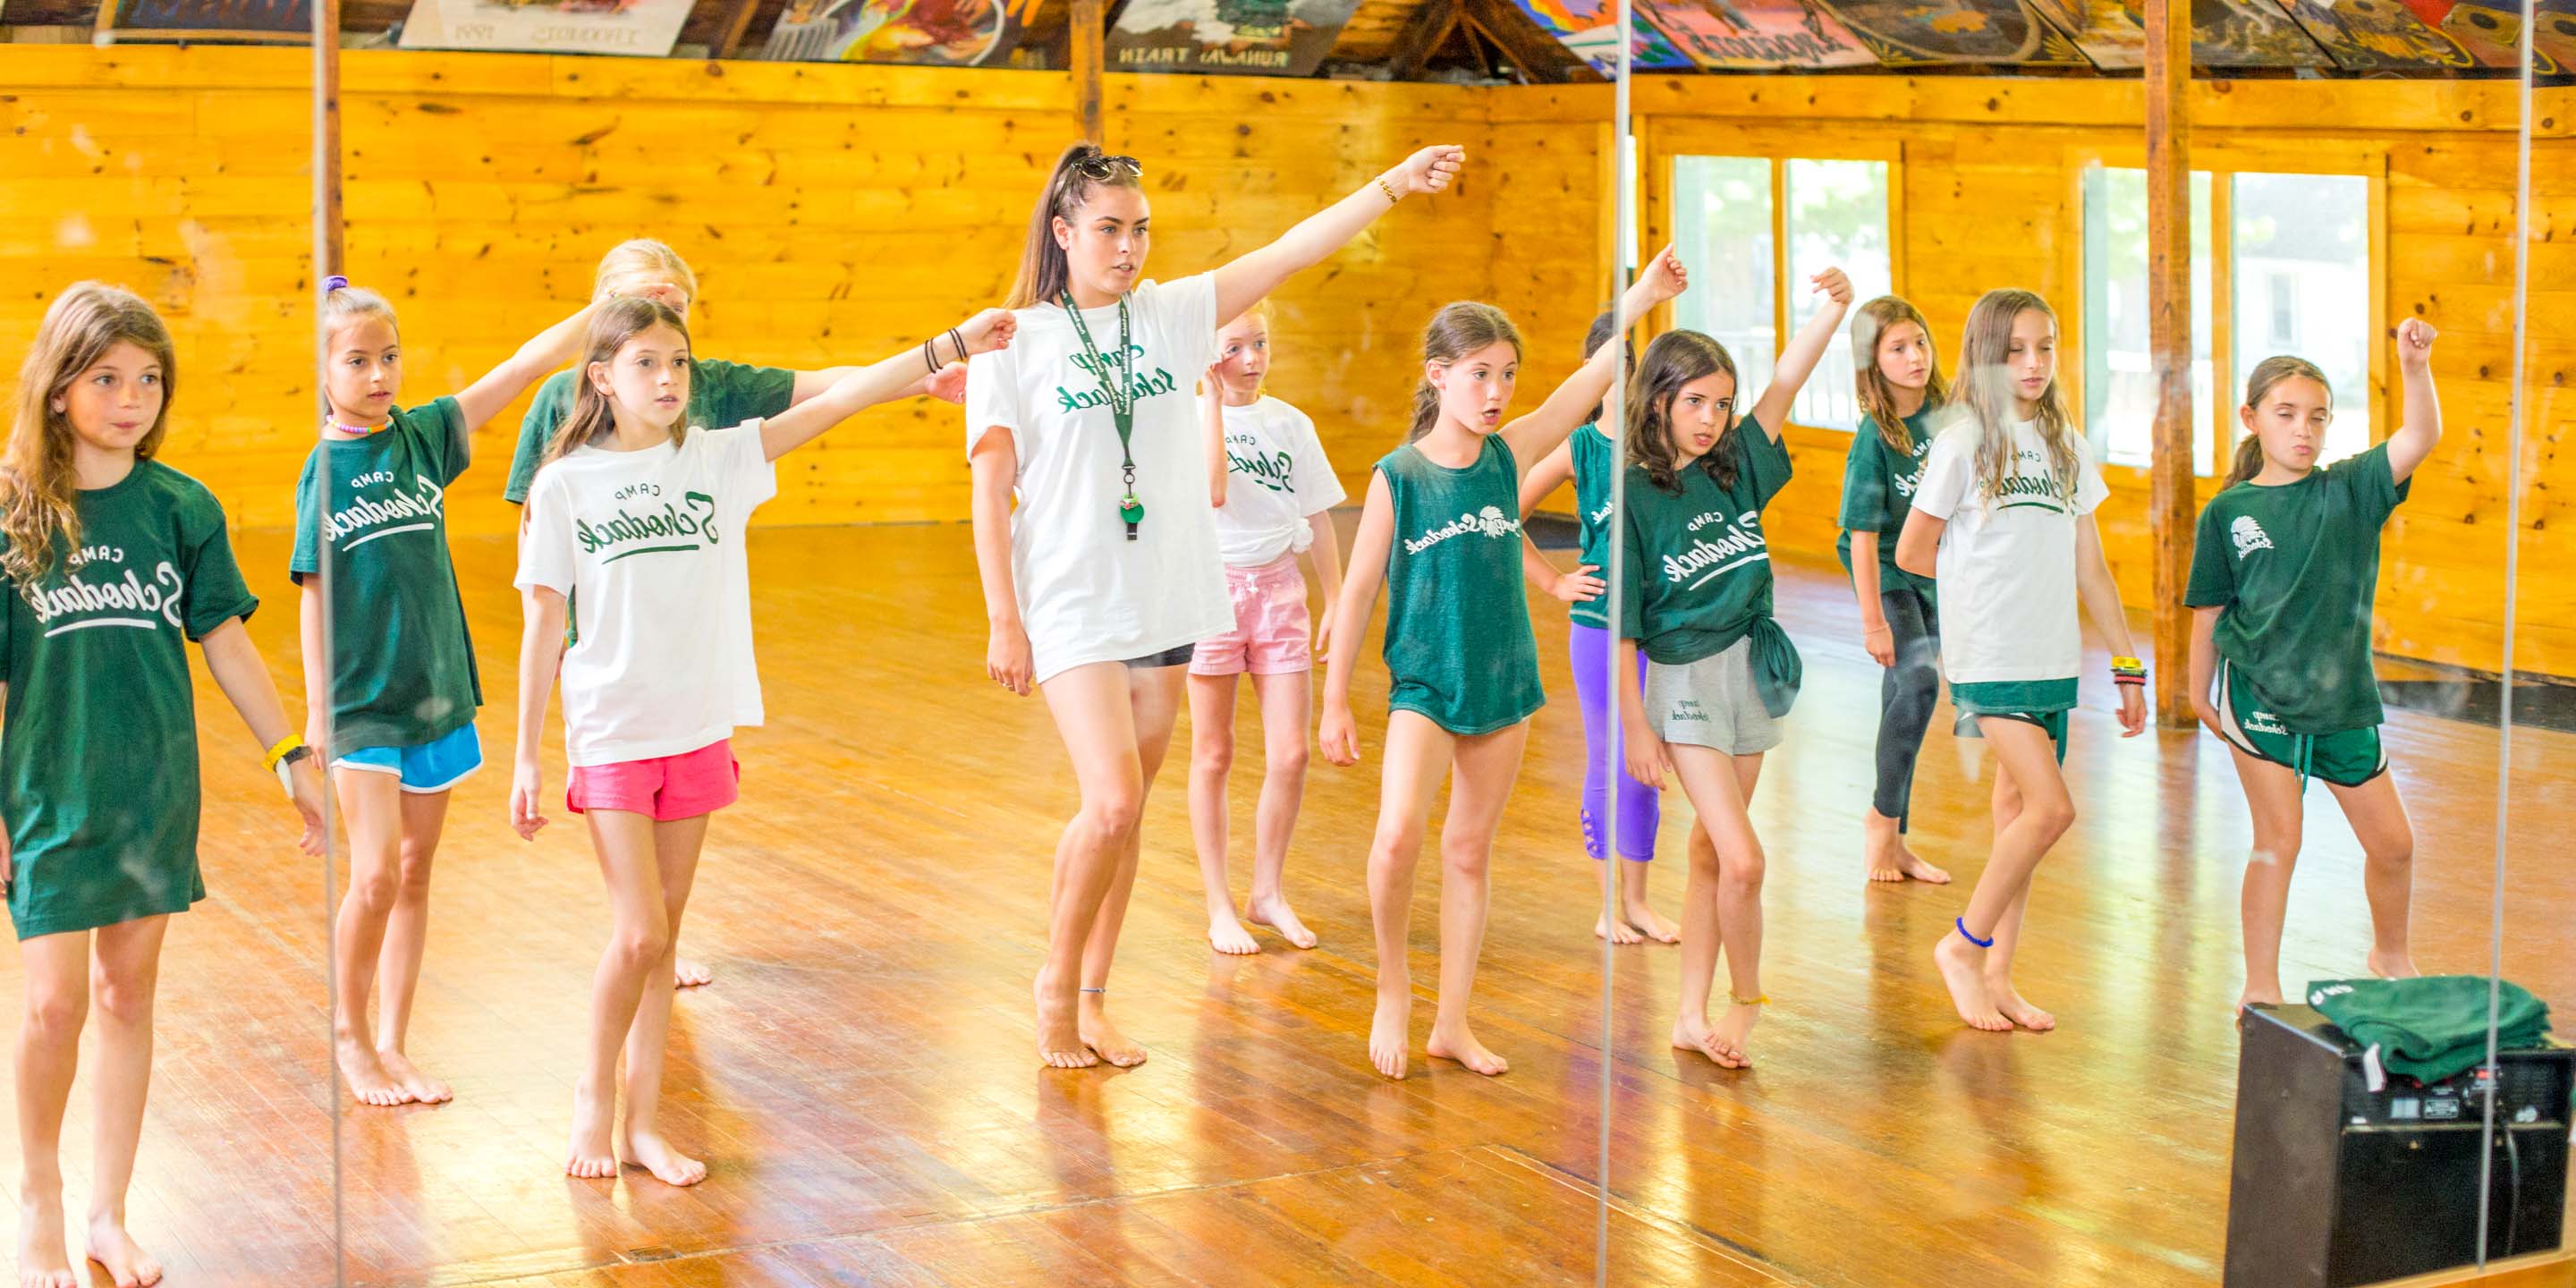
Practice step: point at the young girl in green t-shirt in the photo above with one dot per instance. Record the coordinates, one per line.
(2283, 572)
(1695, 596)
(393, 698)
(1441, 528)
(114, 562)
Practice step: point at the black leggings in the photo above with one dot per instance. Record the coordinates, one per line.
(1906, 694)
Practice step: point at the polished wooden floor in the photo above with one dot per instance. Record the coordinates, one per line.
(862, 1080)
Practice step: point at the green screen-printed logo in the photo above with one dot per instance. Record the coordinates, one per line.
(673, 528)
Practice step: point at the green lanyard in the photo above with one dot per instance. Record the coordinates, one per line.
(1121, 394)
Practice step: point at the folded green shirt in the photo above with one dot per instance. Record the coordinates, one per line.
(2430, 1028)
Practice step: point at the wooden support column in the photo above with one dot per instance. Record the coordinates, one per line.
(2170, 507)
(1090, 30)
(328, 252)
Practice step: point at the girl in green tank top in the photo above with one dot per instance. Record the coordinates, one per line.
(1441, 528)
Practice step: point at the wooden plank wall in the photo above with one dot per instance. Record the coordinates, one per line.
(832, 213)
(1990, 197)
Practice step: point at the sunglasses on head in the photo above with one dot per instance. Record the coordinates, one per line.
(1104, 167)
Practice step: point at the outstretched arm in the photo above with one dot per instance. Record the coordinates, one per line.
(1535, 435)
(1806, 348)
(1242, 283)
(550, 350)
(881, 381)
(2422, 427)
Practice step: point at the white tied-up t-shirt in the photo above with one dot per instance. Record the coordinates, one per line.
(1277, 478)
(1086, 593)
(2006, 568)
(649, 546)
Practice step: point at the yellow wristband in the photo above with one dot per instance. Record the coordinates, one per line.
(2131, 663)
(284, 745)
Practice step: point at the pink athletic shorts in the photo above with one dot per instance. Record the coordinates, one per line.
(665, 787)
(1272, 633)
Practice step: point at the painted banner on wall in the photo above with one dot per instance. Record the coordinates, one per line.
(283, 21)
(1590, 29)
(1756, 35)
(1913, 32)
(936, 33)
(2242, 33)
(646, 28)
(1237, 37)
(2375, 35)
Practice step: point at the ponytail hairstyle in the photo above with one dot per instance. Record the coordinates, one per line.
(1876, 394)
(37, 480)
(1673, 360)
(343, 304)
(1083, 169)
(1456, 330)
(2267, 373)
(1985, 393)
(630, 266)
(611, 328)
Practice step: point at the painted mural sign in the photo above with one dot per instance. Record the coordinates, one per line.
(1914, 32)
(1240, 37)
(936, 33)
(643, 28)
(1756, 35)
(1590, 29)
(265, 21)
(2375, 35)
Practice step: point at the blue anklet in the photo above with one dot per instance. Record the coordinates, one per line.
(1970, 936)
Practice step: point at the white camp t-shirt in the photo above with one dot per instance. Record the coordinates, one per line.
(1088, 594)
(649, 546)
(2006, 569)
(1276, 477)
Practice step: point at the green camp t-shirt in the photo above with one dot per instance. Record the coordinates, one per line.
(1458, 645)
(1696, 572)
(402, 667)
(1594, 458)
(98, 742)
(1878, 494)
(721, 395)
(2293, 570)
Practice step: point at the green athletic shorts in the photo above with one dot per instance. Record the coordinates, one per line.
(2040, 702)
(2346, 759)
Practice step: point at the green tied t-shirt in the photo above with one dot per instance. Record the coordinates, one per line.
(402, 666)
(721, 395)
(1594, 459)
(1878, 494)
(1695, 573)
(1459, 650)
(98, 741)
(2293, 571)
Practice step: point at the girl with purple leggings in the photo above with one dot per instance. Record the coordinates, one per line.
(1588, 458)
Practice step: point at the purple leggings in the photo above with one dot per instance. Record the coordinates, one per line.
(1640, 806)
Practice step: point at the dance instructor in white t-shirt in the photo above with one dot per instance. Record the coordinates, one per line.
(1109, 569)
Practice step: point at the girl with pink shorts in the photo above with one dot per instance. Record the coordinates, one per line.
(1274, 502)
(636, 521)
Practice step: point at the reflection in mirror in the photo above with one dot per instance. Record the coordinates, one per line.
(2357, 217)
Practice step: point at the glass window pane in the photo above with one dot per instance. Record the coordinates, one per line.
(1722, 227)
(2119, 388)
(1837, 218)
(2302, 270)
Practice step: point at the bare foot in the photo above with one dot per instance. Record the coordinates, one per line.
(1726, 1038)
(1391, 1032)
(686, 973)
(1460, 1045)
(1879, 851)
(1690, 1033)
(1275, 913)
(2008, 1000)
(1963, 971)
(1102, 1036)
(367, 1077)
(589, 1156)
(112, 1247)
(1229, 936)
(420, 1086)
(1912, 865)
(654, 1154)
(1620, 931)
(43, 1261)
(1059, 1037)
(2392, 965)
(1650, 924)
